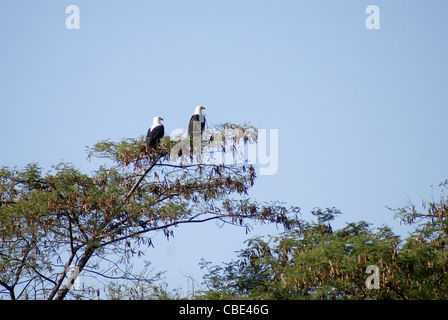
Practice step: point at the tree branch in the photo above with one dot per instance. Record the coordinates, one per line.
(172, 224)
(85, 258)
(9, 288)
(142, 176)
(61, 279)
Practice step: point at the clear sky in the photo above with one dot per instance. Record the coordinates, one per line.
(361, 113)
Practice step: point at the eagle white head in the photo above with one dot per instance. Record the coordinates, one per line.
(156, 122)
(198, 110)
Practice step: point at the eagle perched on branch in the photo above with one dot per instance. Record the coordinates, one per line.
(155, 133)
(197, 120)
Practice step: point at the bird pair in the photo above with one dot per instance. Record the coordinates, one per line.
(157, 130)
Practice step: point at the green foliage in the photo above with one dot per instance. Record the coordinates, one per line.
(311, 261)
(99, 221)
(128, 150)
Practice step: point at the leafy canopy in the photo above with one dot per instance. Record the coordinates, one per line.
(50, 222)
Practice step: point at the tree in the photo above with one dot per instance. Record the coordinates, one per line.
(313, 261)
(423, 259)
(53, 222)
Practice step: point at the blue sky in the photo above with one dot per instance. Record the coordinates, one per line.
(361, 113)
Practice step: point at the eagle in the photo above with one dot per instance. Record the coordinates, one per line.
(197, 120)
(155, 133)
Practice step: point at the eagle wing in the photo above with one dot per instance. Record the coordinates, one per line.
(153, 136)
(194, 118)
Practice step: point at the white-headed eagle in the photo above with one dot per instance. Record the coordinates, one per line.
(155, 133)
(197, 121)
